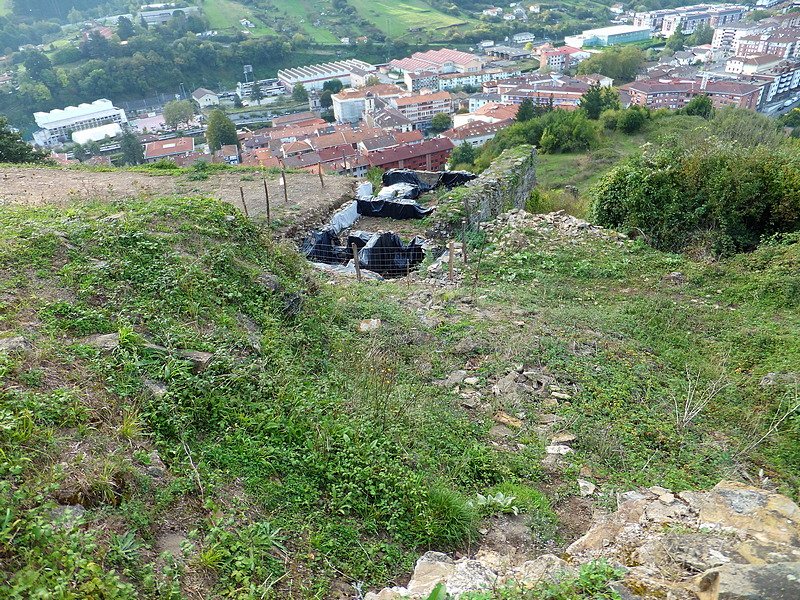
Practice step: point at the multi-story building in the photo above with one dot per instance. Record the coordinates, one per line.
(782, 42)
(426, 80)
(780, 79)
(349, 104)
(168, 149)
(440, 61)
(562, 59)
(677, 93)
(477, 78)
(726, 36)
(476, 133)
(665, 21)
(420, 108)
(313, 77)
(430, 155)
(739, 65)
(57, 126)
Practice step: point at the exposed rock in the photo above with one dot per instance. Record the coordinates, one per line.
(431, 568)
(369, 325)
(674, 277)
(782, 379)
(455, 378)
(750, 582)
(764, 515)
(506, 419)
(547, 567)
(67, 517)
(547, 419)
(586, 488)
(558, 449)
(468, 346)
(200, 360)
(470, 575)
(560, 395)
(500, 431)
(270, 283)
(562, 438)
(15, 343)
(471, 380)
(155, 389)
(104, 341)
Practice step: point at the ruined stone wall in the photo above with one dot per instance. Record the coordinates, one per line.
(506, 184)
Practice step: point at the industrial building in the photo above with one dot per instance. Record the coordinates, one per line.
(313, 77)
(58, 126)
(608, 36)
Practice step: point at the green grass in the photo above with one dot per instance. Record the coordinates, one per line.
(308, 11)
(225, 15)
(394, 18)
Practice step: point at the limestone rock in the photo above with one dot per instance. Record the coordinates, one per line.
(455, 378)
(470, 575)
(562, 438)
(764, 515)
(200, 360)
(750, 582)
(500, 431)
(369, 325)
(586, 488)
(546, 567)
(431, 568)
(155, 389)
(104, 341)
(15, 343)
(270, 283)
(558, 449)
(506, 419)
(607, 527)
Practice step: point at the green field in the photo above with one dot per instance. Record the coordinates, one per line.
(225, 14)
(308, 11)
(395, 18)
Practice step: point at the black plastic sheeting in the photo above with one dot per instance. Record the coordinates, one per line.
(392, 210)
(448, 179)
(383, 253)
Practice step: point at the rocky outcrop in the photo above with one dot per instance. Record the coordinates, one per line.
(734, 542)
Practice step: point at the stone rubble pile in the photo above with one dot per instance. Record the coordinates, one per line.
(734, 542)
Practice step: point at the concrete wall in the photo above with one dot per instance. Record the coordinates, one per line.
(506, 184)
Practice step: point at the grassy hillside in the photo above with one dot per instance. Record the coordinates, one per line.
(236, 435)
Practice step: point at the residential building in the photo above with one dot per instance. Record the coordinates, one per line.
(783, 42)
(508, 53)
(163, 15)
(523, 37)
(205, 98)
(677, 93)
(58, 125)
(229, 154)
(725, 36)
(349, 104)
(475, 79)
(390, 119)
(492, 12)
(665, 21)
(739, 65)
(476, 133)
(564, 58)
(478, 100)
(313, 77)
(596, 79)
(430, 155)
(780, 79)
(494, 112)
(298, 120)
(420, 108)
(426, 80)
(609, 36)
(269, 88)
(169, 149)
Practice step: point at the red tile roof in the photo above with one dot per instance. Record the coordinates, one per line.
(392, 155)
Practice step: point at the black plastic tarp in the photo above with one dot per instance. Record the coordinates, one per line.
(393, 210)
(405, 191)
(451, 179)
(404, 176)
(385, 253)
(323, 245)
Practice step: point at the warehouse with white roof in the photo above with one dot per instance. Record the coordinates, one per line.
(313, 77)
(58, 126)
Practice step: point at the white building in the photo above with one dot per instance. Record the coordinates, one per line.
(313, 77)
(205, 98)
(349, 104)
(57, 126)
(163, 15)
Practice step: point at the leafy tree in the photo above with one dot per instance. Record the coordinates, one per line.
(371, 80)
(13, 149)
(790, 119)
(441, 122)
(718, 193)
(256, 94)
(131, 148)
(746, 127)
(325, 99)
(700, 106)
(221, 131)
(757, 15)
(631, 119)
(597, 99)
(125, 29)
(677, 40)
(703, 34)
(334, 85)
(92, 147)
(618, 62)
(299, 93)
(35, 63)
(463, 154)
(177, 112)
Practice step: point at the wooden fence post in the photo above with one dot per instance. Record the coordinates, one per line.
(244, 203)
(450, 259)
(355, 261)
(266, 201)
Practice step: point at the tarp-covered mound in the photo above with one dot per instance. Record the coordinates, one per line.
(448, 179)
(399, 190)
(451, 179)
(392, 210)
(385, 253)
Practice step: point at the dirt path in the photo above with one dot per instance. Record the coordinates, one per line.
(308, 204)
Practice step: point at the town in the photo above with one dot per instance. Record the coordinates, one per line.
(414, 111)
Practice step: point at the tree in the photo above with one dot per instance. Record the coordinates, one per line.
(790, 119)
(13, 149)
(299, 93)
(371, 80)
(618, 62)
(132, 151)
(325, 99)
(464, 154)
(256, 94)
(125, 28)
(334, 85)
(703, 34)
(631, 119)
(597, 99)
(677, 40)
(92, 147)
(699, 106)
(221, 131)
(441, 122)
(177, 112)
(526, 111)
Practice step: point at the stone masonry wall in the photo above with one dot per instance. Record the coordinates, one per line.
(506, 184)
